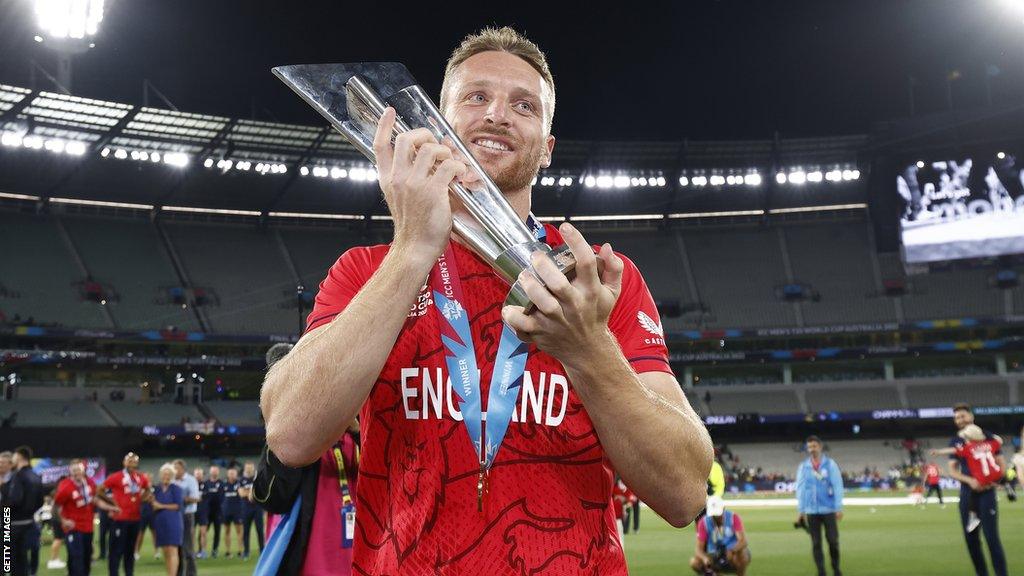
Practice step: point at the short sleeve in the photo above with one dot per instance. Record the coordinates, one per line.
(143, 482)
(955, 444)
(737, 524)
(997, 445)
(344, 280)
(702, 531)
(63, 494)
(636, 324)
(109, 482)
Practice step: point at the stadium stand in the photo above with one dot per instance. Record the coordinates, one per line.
(853, 456)
(833, 398)
(977, 391)
(155, 414)
(761, 399)
(127, 254)
(236, 413)
(56, 414)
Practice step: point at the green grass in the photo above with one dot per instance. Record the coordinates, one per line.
(891, 540)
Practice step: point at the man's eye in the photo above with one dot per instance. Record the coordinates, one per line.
(476, 97)
(525, 106)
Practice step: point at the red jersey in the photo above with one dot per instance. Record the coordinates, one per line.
(981, 460)
(76, 503)
(548, 509)
(931, 474)
(126, 489)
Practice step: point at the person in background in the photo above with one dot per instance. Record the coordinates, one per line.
(251, 512)
(128, 488)
(213, 500)
(819, 493)
(984, 500)
(21, 495)
(50, 516)
(104, 537)
(232, 512)
(168, 501)
(146, 523)
(932, 481)
(202, 513)
(721, 541)
(190, 492)
(75, 503)
(1018, 458)
(620, 498)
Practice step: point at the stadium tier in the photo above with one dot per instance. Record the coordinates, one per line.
(244, 276)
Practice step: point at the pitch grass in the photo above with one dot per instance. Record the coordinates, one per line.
(885, 541)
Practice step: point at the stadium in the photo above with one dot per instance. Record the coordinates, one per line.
(852, 276)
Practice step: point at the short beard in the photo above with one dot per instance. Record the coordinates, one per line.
(519, 175)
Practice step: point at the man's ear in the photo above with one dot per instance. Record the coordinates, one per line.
(549, 145)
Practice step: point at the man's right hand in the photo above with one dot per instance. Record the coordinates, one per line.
(414, 175)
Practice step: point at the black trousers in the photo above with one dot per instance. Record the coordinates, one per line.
(815, 522)
(937, 490)
(122, 545)
(103, 544)
(79, 546)
(635, 516)
(215, 515)
(252, 515)
(23, 538)
(987, 509)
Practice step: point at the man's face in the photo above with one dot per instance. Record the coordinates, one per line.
(179, 470)
(814, 448)
(198, 473)
(78, 471)
(131, 461)
(496, 104)
(232, 474)
(6, 464)
(963, 418)
(214, 473)
(250, 470)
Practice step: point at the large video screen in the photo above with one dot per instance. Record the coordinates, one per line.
(962, 208)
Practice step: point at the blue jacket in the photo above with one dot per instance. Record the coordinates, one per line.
(819, 492)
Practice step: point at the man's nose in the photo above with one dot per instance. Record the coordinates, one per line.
(497, 112)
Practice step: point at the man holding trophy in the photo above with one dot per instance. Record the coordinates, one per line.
(491, 421)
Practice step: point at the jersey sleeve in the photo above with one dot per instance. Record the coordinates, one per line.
(636, 324)
(63, 494)
(956, 444)
(109, 482)
(143, 482)
(737, 524)
(344, 280)
(702, 531)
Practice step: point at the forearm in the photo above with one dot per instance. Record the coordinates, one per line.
(314, 392)
(660, 448)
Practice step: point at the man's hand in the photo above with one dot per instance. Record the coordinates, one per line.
(414, 175)
(973, 483)
(801, 518)
(571, 317)
(839, 515)
(67, 525)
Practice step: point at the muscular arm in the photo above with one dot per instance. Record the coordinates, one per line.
(313, 393)
(664, 454)
(954, 473)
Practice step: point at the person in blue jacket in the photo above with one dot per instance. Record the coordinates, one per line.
(819, 496)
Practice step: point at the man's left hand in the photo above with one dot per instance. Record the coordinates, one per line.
(839, 515)
(571, 317)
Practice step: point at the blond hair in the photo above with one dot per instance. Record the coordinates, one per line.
(504, 39)
(972, 433)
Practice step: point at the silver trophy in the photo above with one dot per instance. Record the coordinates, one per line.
(353, 97)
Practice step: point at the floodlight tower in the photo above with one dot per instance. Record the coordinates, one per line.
(68, 27)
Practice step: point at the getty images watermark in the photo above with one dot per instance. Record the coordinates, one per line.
(5, 563)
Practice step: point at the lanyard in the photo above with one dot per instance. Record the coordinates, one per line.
(133, 486)
(460, 357)
(339, 459)
(83, 489)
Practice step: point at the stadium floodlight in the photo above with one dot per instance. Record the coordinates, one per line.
(621, 182)
(10, 139)
(661, 181)
(1001, 155)
(120, 154)
(752, 179)
(105, 152)
(304, 171)
(700, 180)
(684, 181)
(780, 177)
(357, 174)
(63, 19)
(847, 174)
(176, 159)
(589, 181)
(208, 163)
(717, 180)
(797, 177)
(33, 142)
(75, 148)
(814, 176)
(920, 163)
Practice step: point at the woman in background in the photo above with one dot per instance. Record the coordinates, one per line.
(168, 502)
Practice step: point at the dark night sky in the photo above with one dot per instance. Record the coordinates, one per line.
(704, 69)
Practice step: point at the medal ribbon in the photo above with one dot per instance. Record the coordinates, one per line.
(460, 357)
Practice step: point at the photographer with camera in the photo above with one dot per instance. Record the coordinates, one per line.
(819, 495)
